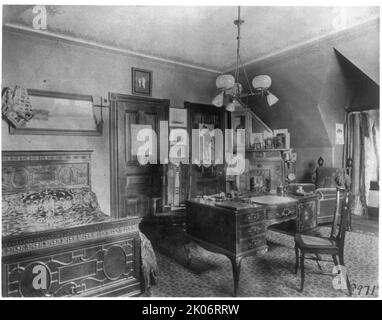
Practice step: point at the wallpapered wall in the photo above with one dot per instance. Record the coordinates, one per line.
(28, 61)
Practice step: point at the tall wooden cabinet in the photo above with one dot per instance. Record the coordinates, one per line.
(266, 169)
(205, 180)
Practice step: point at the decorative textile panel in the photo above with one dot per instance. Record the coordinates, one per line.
(16, 106)
(149, 262)
(49, 209)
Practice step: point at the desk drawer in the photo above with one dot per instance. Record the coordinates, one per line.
(252, 243)
(252, 230)
(252, 217)
(282, 212)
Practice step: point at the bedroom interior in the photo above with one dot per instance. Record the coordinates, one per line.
(293, 104)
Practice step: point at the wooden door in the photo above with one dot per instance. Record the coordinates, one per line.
(133, 186)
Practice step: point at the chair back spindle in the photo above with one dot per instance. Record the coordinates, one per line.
(344, 221)
(336, 216)
(340, 219)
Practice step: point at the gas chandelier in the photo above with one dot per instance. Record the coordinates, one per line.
(230, 88)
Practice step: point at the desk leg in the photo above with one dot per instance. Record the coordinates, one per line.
(236, 263)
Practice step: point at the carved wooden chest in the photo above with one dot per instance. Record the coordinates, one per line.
(101, 259)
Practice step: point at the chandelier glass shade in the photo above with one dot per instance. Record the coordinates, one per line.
(261, 82)
(271, 99)
(218, 100)
(231, 90)
(225, 81)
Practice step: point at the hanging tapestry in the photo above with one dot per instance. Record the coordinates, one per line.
(16, 106)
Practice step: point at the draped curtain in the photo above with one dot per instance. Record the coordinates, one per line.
(362, 147)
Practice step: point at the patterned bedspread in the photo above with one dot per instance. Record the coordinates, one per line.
(149, 262)
(24, 213)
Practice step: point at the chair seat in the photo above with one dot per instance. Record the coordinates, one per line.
(311, 242)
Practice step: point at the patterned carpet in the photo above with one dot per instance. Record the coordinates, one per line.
(267, 275)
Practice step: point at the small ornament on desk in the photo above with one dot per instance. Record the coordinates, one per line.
(300, 190)
(287, 156)
(291, 177)
(219, 197)
(280, 190)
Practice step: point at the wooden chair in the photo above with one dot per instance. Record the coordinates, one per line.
(317, 245)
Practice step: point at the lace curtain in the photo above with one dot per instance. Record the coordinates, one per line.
(362, 147)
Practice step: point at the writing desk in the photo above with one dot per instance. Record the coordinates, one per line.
(237, 229)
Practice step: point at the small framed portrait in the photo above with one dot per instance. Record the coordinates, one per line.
(141, 81)
(268, 143)
(279, 142)
(258, 181)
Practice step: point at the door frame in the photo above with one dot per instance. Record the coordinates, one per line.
(114, 98)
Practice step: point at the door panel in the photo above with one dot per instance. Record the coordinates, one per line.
(135, 184)
(130, 117)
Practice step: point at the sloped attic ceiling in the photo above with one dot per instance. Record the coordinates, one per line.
(363, 52)
(312, 86)
(363, 91)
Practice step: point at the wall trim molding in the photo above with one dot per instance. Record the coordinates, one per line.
(92, 44)
(288, 51)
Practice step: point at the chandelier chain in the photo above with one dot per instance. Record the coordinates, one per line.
(239, 62)
(231, 87)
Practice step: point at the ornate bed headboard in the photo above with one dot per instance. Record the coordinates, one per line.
(24, 171)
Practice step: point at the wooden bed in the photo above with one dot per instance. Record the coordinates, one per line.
(49, 250)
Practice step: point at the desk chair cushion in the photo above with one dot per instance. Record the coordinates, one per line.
(311, 242)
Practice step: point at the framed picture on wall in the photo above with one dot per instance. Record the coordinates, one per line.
(141, 81)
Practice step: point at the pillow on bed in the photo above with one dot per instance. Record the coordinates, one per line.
(49, 209)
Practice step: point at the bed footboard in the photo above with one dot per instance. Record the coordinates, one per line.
(102, 259)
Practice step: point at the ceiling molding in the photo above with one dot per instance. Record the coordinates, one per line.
(309, 43)
(82, 42)
(283, 52)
